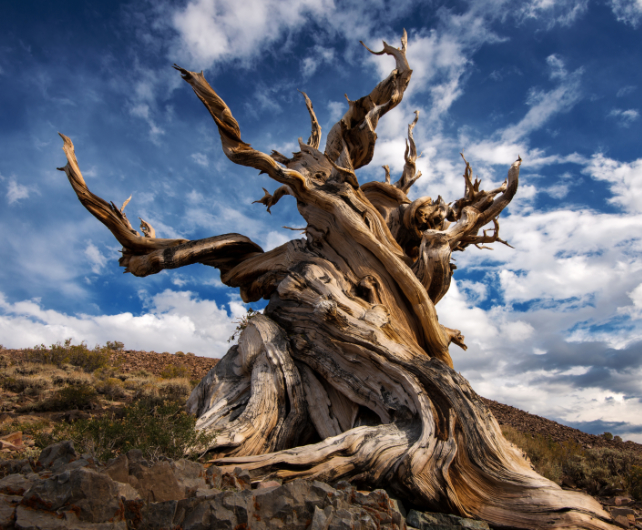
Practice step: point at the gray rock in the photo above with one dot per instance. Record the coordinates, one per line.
(440, 521)
(321, 518)
(9, 467)
(118, 468)
(190, 476)
(57, 455)
(92, 495)
(29, 519)
(156, 483)
(15, 484)
(614, 511)
(188, 469)
(213, 477)
(8, 504)
(158, 516)
(127, 492)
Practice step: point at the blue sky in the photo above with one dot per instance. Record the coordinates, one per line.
(553, 326)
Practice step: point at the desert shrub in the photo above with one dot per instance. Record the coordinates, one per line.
(115, 345)
(158, 430)
(617, 439)
(29, 369)
(29, 384)
(111, 387)
(175, 388)
(180, 354)
(173, 372)
(606, 470)
(635, 483)
(110, 372)
(141, 372)
(81, 397)
(146, 389)
(190, 354)
(608, 436)
(78, 355)
(598, 471)
(136, 382)
(74, 378)
(546, 455)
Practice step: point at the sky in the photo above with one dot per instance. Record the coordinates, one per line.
(554, 326)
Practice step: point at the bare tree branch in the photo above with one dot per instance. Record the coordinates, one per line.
(315, 137)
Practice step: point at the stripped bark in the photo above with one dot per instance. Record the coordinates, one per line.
(347, 374)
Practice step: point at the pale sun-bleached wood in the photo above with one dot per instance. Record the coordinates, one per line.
(347, 374)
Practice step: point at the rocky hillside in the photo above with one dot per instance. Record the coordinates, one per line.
(123, 394)
(532, 424)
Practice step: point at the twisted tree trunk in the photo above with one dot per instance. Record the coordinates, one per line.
(347, 374)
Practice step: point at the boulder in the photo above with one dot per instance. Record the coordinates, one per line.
(57, 455)
(440, 521)
(15, 485)
(156, 483)
(8, 504)
(118, 469)
(8, 467)
(190, 476)
(213, 476)
(93, 496)
(30, 519)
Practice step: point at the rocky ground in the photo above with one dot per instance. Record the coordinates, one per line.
(54, 489)
(532, 424)
(65, 490)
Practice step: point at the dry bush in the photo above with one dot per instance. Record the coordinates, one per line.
(78, 355)
(177, 388)
(173, 372)
(137, 382)
(147, 389)
(635, 483)
(114, 345)
(110, 372)
(74, 378)
(158, 429)
(599, 471)
(29, 384)
(111, 387)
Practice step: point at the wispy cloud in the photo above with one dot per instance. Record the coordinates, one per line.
(16, 192)
(625, 117)
(201, 159)
(627, 11)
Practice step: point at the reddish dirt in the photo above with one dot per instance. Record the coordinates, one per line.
(131, 360)
(155, 362)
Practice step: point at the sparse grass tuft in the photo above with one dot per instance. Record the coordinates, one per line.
(599, 471)
(177, 388)
(111, 387)
(32, 385)
(72, 397)
(157, 429)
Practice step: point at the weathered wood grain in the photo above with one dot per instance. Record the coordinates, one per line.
(348, 374)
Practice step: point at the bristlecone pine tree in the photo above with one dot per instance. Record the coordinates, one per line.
(347, 374)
